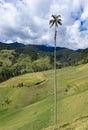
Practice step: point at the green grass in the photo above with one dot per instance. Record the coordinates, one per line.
(31, 107)
(24, 95)
(28, 80)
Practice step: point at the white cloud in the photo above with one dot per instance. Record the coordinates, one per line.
(28, 22)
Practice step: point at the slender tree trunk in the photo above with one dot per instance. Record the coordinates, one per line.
(55, 86)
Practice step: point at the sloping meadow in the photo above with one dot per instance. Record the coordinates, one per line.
(26, 102)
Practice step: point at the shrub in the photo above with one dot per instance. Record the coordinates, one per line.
(20, 85)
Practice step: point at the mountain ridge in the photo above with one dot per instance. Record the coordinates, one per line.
(38, 46)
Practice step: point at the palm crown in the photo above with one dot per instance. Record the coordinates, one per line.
(56, 20)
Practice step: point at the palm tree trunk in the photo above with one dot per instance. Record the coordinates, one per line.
(55, 87)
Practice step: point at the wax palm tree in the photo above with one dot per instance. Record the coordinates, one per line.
(55, 21)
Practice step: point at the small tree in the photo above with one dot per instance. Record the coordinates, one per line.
(56, 20)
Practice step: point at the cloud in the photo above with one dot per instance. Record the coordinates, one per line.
(28, 22)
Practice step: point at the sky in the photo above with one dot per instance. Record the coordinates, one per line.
(27, 21)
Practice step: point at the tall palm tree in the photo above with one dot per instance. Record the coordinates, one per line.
(55, 21)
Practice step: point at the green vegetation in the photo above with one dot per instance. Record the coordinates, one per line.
(26, 102)
(7, 57)
(17, 59)
(20, 61)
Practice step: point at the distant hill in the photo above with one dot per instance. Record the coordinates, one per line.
(16, 44)
(17, 58)
(45, 48)
(11, 45)
(63, 54)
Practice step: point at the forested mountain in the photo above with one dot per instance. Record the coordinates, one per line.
(17, 58)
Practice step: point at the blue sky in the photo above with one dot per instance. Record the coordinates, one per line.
(27, 21)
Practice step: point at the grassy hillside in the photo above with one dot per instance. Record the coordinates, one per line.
(26, 102)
